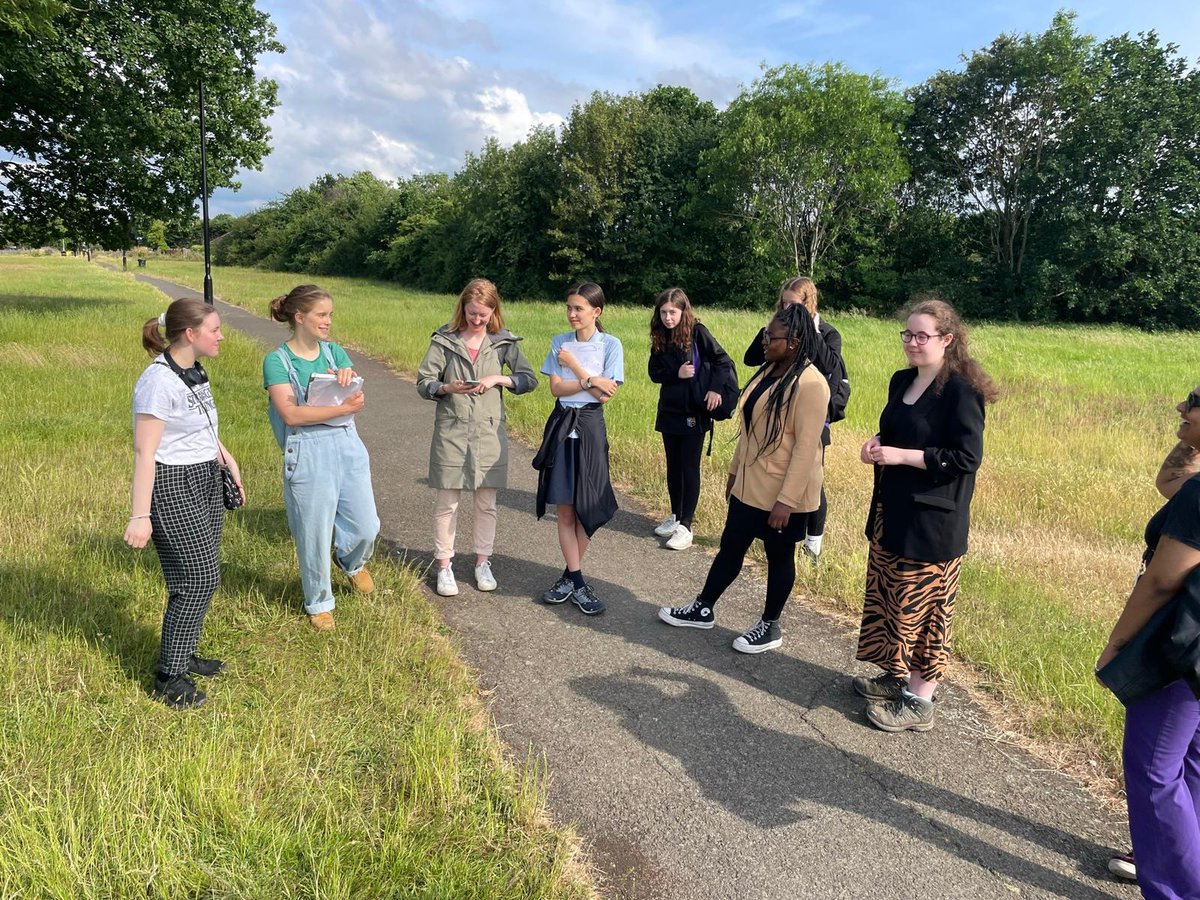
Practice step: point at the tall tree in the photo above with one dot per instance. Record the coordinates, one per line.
(98, 110)
(805, 154)
(980, 139)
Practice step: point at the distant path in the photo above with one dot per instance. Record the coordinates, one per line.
(692, 771)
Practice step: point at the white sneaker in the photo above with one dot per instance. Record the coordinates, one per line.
(667, 526)
(446, 585)
(681, 539)
(484, 579)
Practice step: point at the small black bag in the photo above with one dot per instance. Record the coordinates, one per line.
(231, 494)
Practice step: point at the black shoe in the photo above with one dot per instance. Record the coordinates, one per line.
(560, 592)
(198, 665)
(177, 691)
(694, 615)
(589, 604)
(761, 637)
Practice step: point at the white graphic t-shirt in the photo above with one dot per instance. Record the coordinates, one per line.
(187, 438)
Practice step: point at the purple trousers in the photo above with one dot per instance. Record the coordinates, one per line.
(1162, 786)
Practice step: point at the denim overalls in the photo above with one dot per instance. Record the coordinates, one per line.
(327, 494)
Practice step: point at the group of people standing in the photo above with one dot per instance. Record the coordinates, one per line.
(924, 460)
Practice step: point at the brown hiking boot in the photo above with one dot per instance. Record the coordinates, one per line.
(880, 688)
(322, 621)
(909, 713)
(362, 581)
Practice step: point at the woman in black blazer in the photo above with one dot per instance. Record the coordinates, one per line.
(929, 446)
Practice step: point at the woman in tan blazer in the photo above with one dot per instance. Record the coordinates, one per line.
(774, 478)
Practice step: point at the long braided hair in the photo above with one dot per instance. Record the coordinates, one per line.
(803, 332)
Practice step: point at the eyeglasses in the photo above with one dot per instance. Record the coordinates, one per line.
(919, 336)
(1192, 401)
(774, 337)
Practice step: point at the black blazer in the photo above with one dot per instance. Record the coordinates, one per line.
(926, 512)
(679, 399)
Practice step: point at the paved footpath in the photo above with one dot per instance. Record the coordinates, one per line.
(692, 771)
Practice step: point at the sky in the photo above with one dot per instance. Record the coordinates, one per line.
(402, 87)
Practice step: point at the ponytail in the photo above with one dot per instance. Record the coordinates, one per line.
(159, 334)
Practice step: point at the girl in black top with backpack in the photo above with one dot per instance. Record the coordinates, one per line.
(691, 368)
(829, 362)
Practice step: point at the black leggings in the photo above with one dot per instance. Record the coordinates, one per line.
(781, 568)
(683, 474)
(815, 524)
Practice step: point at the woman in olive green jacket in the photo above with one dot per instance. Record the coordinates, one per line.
(463, 373)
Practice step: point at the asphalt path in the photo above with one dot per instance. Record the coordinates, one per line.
(693, 771)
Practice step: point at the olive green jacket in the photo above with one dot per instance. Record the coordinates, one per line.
(470, 444)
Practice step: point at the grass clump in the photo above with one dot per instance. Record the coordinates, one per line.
(352, 764)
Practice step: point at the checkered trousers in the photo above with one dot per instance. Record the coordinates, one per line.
(186, 515)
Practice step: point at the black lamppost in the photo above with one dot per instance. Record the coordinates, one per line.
(208, 287)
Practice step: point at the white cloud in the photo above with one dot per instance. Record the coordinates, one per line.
(505, 114)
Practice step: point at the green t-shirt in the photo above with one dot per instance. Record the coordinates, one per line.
(275, 372)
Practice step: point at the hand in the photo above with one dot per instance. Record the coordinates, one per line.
(607, 385)
(487, 382)
(567, 360)
(865, 453)
(687, 370)
(730, 479)
(354, 403)
(344, 376)
(778, 519)
(137, 532)
(712, 400)
(458, 386)
(888, 456)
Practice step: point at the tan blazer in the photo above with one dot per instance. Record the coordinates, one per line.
(791, 473)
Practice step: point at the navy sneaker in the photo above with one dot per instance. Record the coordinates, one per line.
(589, 604)
(198, 665)
(560, 592)
(177, 691)
(761, 637)
(695, 615)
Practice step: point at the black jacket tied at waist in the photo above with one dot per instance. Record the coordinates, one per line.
(595, 502)
(1166, 649)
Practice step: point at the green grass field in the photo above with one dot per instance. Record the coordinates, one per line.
(356, 764)
(1087, 415)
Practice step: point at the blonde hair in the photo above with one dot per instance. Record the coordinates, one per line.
(483, 292)
(804, 288)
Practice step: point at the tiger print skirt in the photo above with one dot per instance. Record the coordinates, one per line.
(907, 612)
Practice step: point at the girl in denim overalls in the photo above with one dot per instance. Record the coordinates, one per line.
(326, 470)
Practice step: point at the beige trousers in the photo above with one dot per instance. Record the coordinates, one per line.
(445, 521)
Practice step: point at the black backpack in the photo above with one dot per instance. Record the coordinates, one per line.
(839, 389)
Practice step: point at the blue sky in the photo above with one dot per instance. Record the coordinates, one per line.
(402, 87)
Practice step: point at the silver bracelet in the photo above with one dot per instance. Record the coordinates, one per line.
(146, 516)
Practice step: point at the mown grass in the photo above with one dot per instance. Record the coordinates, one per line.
(1066, 488)
(356, 764)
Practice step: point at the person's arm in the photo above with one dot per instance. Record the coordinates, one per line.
(147, 435)
(284, 402)
(1171, 564)
(662, 368)
(521, 378)
(598, 386)
(1181, 464)
(807, 421)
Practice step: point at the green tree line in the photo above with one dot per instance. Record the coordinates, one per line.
(1050, 176)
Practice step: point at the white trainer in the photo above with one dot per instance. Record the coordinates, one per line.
(484, 579)
(446, 585)
(666, 527)
(681, 539)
